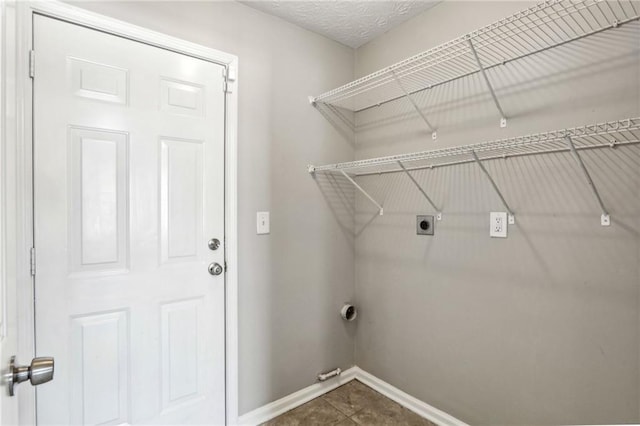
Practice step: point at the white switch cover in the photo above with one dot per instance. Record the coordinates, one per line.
(262, 222)
(498, 224)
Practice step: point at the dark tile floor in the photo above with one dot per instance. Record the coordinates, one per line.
(350, 404)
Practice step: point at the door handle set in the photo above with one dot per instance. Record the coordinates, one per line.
(40, 371)
(214, 267)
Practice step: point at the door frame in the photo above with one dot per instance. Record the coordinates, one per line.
(19, 171)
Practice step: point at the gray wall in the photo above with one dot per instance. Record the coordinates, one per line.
(293, 281)
(544, 326)
(540, 328)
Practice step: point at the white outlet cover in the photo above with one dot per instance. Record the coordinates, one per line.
(262, 223)
(498, 224)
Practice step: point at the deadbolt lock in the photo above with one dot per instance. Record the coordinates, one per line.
(213, 244)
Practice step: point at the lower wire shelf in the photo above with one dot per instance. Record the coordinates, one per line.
(594, 136)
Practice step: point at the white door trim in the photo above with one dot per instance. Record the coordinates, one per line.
(21, 172)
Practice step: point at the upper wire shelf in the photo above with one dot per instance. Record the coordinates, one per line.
(536, 29)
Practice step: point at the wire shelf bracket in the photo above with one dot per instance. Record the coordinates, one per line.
(503, 117)
(605, 219)
(434, 134)
(438, 212)
(512, 216)
(366, 194)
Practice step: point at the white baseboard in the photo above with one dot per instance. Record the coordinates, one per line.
(421, 408)
(289, 402)
(281, 406)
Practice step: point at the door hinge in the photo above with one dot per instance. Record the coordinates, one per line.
(230, 75)
(32, 63)
(33, 261)
(225, 266)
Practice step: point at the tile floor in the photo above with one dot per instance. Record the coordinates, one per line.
(350, 404)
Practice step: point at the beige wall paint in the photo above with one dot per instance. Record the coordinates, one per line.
(292, 282)
(540, 328)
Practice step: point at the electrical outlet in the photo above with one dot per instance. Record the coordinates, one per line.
(498, 224)
(262, 219)
(424, 225)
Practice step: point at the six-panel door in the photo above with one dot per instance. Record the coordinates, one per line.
(129, 188)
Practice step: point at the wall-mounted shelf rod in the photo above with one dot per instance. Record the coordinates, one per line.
(512, 215)
(365, 193)
(415, 182)
(503, 117)
(605, 219)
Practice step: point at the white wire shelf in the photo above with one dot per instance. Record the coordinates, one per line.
(536, 29)
(601, 135)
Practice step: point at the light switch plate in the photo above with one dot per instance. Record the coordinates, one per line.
(498, 224)
(262, 222)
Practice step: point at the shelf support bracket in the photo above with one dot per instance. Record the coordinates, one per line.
(438, 212)
(512, 216)
(434, 134)
(503, 117)
(380, 209)
(605, 219)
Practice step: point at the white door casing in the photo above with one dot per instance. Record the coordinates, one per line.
(8, 296)
(15, 200)
(128, 188)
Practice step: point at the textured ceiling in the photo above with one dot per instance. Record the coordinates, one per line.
(350, 22)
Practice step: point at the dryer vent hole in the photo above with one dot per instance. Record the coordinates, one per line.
(348, 312)
(351, 312)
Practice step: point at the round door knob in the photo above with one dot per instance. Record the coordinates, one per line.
(215, 269)
(40, 371)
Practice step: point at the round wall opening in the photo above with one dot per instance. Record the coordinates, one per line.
(348, 312)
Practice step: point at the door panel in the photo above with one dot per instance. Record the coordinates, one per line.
(99, 352)
(128, 189)
(98, 200)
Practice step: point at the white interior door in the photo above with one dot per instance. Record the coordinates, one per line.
(128, 190)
